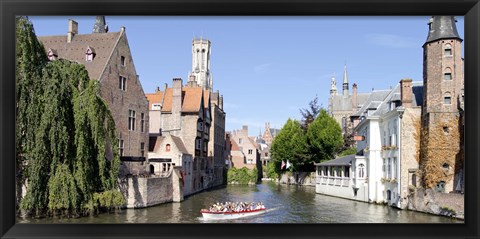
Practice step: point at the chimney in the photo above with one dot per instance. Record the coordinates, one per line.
(406, 92)
(176, 102)
(72, 30)
(354, 97)
(245, 129)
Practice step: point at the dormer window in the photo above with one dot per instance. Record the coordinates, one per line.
(89, 54)
(156, 106)
(52, 54)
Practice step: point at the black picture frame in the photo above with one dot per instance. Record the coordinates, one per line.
(9, 8)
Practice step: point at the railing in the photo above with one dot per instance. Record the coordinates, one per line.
(336, 181)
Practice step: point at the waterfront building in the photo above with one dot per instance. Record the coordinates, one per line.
(108, 59)
(387, 137)
(186, 114)
(442, 158)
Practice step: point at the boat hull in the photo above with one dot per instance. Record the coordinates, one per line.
(231, 215)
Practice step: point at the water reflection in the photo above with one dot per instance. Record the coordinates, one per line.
(285, 203)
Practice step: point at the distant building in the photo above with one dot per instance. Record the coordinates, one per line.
(242, 143)
(107, 58)
(342, 106)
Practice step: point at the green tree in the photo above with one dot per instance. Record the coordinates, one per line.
(310, 114)
(270, 171)
(70, 154)
(347, 151)
(29, 62)
(289, 145)
(324, 138)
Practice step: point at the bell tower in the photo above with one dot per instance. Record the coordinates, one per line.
(201, 49)
(442, 99)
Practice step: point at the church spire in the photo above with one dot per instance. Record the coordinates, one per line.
(345, 81)
(100, 25)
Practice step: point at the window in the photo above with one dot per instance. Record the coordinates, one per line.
(131, 120)
(414, 180)
(250, 151)
(394, 168)
(89, 54)
(447, 76)
(361, 170)
(266, 154)
(448, 50)
(122, 83)
(240, 141)
(200, 126)
(447, 100)
(164, 167)
(120, 147)
(384, 166)
(122, 60)
(152, 169)
(142, 149)
(389, 168)
(156, 106)
(142, 122)
(167, 148)
(198, 144)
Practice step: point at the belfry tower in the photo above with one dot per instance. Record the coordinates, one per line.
(201, 49)
(443, 82)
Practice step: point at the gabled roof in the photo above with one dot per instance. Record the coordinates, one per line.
(235, 146)
(103, 43)
(442, 27)
(344, 103)
(179, 143)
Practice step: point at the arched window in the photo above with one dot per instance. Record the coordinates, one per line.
(448, 50)
(448, 74)
(167, 148)
(361, 170)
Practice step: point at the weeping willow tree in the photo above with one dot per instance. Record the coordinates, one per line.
(71, 157)
(30, 59)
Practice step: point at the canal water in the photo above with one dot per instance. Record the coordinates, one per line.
(285, 203)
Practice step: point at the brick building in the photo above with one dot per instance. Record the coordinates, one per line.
(107, 58)
(443, 79)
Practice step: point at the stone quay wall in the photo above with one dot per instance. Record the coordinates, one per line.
(444, 204)
(141, 192)
(298, 178)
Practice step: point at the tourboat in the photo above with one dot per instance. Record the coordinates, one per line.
(207, 214)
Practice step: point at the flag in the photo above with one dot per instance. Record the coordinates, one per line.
(288, 164)
(283, 165)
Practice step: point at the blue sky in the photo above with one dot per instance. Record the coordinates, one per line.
(267, 68)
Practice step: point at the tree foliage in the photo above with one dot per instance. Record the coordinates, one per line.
(324, 138)
(310, 114)
(289, 145)
(271, 171)
(70, 151)
(242, 175)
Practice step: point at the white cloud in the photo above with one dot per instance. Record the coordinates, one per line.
(389, 40)
(262, 68)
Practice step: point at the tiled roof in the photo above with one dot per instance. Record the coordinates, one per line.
(191, 99)
(103, 43)
(344, 103)
(234, 145)
(394, 95)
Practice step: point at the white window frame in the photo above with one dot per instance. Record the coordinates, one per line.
(131, 120)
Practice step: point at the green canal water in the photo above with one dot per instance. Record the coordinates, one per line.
(285, 203)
